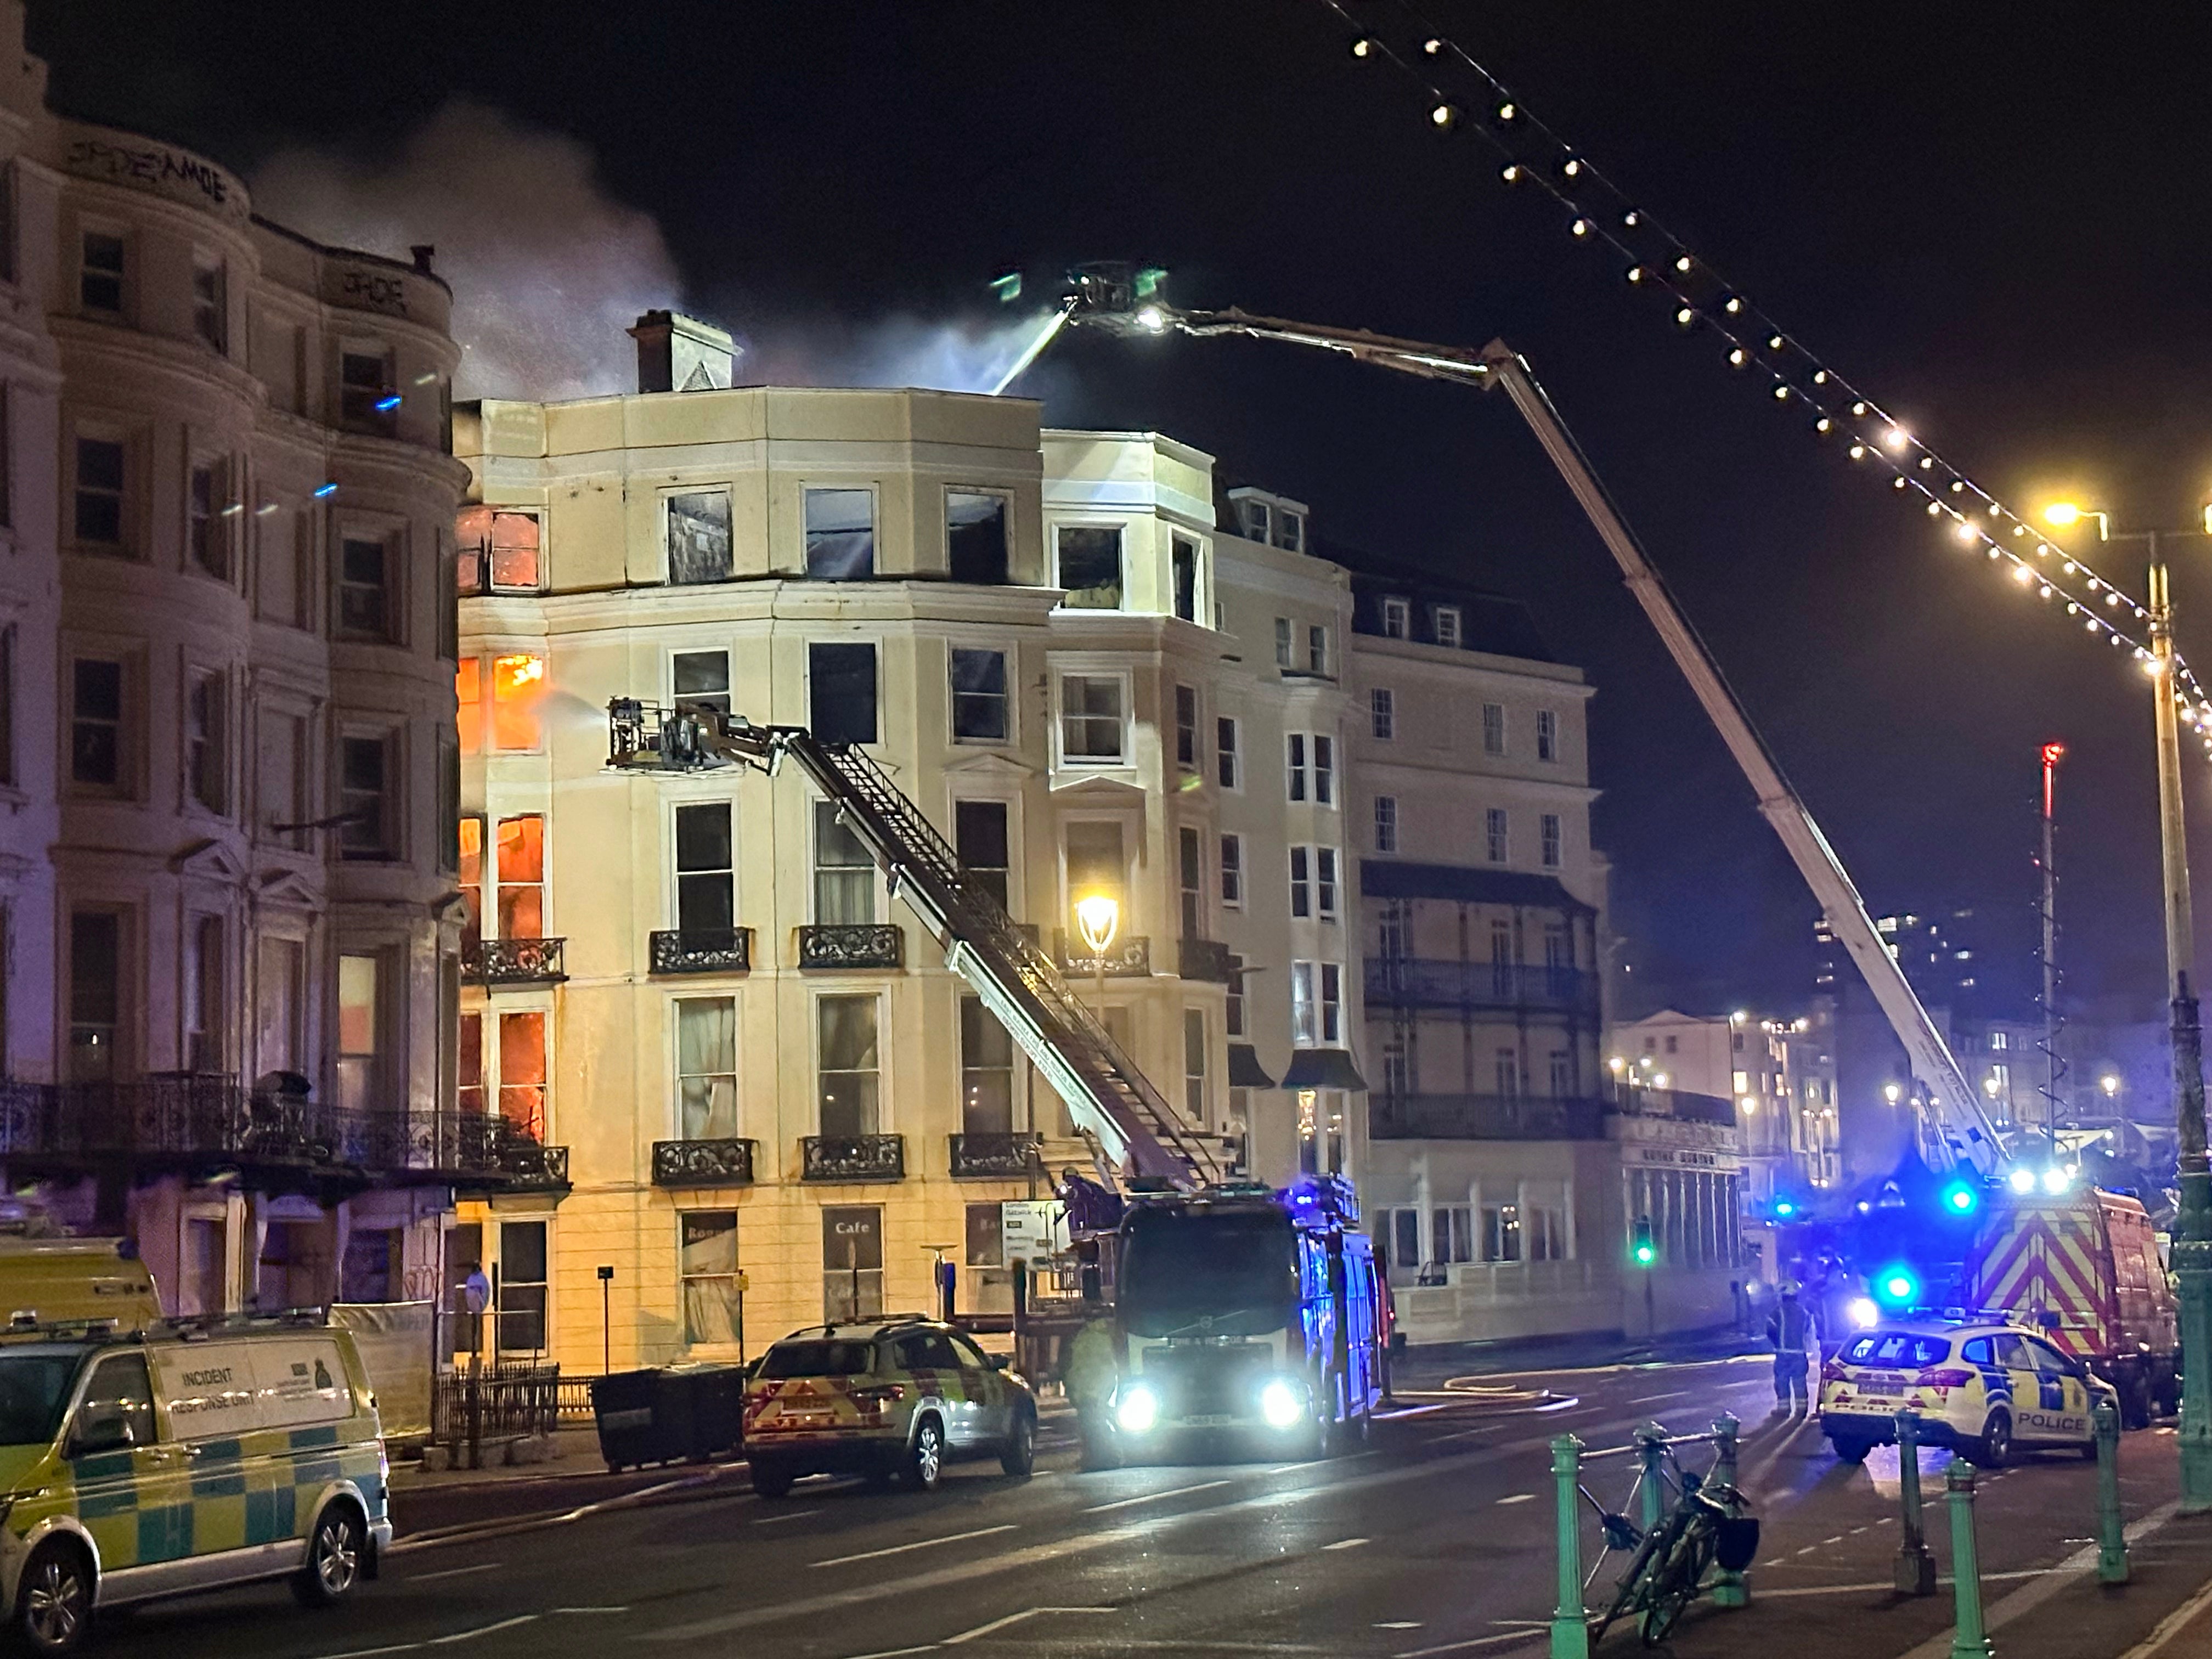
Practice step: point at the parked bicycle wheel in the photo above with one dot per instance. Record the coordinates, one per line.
(1675, 1586)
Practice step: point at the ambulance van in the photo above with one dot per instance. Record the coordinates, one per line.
(189, 1455)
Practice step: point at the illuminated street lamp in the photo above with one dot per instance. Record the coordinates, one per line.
(1891, 1093)
(2192, 1256)
(1098, 919)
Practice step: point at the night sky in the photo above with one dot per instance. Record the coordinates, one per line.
(1994, 219)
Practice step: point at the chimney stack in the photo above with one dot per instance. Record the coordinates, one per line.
(676, 353)
(422, 251)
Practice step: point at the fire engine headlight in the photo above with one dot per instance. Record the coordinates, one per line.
(1282, 1404)
(1137, 1410)
(1863, 1312)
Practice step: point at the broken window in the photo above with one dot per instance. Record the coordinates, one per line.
(1091, 567)
(840, 534)
(842, 692)
(976, 538)
(499, 551)
(699, 537)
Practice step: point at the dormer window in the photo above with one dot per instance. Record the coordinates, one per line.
(1289, 530)
(1256, 518)
(1396, 617)
(1447, 625)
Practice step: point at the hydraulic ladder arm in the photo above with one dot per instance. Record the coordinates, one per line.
(1111, 1100)
(1955, 1127)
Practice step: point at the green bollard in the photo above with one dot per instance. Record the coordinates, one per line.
(1651, 1451)
(1968, 1640)
(2111, 1529)
(1730, 1589)
(1569, 1622)
(1915, 1567)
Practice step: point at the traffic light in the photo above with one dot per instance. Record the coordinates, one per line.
(1641, 1250)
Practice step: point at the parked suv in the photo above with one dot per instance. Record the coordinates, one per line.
(892, 1398)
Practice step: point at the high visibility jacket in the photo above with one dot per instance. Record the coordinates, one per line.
(1786, 1327)
(1092, 1364)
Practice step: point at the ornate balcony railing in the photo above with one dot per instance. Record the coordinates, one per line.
(1000, 1155)
(206, 1123)
(1679, 1104)
(511, 960)
(702, 1163)
(1206, 959)
(1126, 958)
(1484, 1117)
(1423, 982)
(853, 1158)
(707, 950)
(863, 944)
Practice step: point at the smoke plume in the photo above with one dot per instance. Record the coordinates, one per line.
(547, 268)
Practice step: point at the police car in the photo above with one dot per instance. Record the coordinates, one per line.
(893, 1398)
(1984, 1388)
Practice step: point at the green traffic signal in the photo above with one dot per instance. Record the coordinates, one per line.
(1641, 1250)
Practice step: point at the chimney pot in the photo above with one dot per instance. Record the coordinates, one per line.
(422, 251)
(676, 353)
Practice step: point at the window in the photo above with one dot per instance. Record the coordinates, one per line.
(978, 696)
(1549, 828)
(1095, 863)
(1186, 708)
(120, 1384)
(706, 1068)
(985, 1243)
(1383, 713)
(365, 608)
(7, 698)
(1395, 615)
(1316, 1003)
(1290, 530)
(206, 535)
(1091, 719)
(96, 740)
(1671, 1041)
(980, 837)
(99, 273)
(1234, 1018)
(1324, 754)
(1394, 931)
(1496, 843)
(1232, 871)
(840, 534)
(1194, 1065)
(1501, 1232)
(1301, 881)
(469, 1092)
(1546, 1232)
(1295, 751)
(1226, 753)
(99, 494)
(1386, 824)
(1282, 642)
(841, 685)
(517, 689)
(844, 875)
(1317, 648)
(1560, 1074)
(1547, 734)
(522, 1071)
(522, 1286)
(1325, 883)
(1184, 557)
(1506, 1072)
(705, 868)
(1397, 1075)
(701, 678)
(521, 855)
(368, 401)
(1190, 848)
(499, 551)
(210, 307)
(202, 995)
(699, 537)
(846, 1029)
(1447, 625)
(7, 449)
(96, 994)
(707, 1266)
(469, 841)
(1493, 728)
(1090, 567)
(987, 1072)
(364, 772)
(976, 538)
(1743, 1082)
(852, 1261)
(1999, 1041)
(8, 228)
(280, 1004)
(1254, 518)
(207, 750)
(357, 1031)
(1451, 1234)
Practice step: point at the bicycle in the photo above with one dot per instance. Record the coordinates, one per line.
(1704, 1528)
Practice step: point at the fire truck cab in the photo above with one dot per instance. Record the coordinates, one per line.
(2083, 1269)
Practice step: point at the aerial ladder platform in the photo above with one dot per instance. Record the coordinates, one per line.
(1132, 1128)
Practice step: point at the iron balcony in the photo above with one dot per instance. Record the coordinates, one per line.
(1206, 959)
(1484, 1117)
(1126, 958)
(1424, 982)
(1004, 1156)
(511, 960)
(853, 1158)
(701, 951)
(702, 1163)
(852, 945)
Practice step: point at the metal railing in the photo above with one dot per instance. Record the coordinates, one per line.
(701, 951)
(702, 1163)
(511, 960)
(862, 944)
(853, 1158)
(991, 1154)
(500, 1400)
(1484, 1117)
(1127, 958)
(1677, 1103)
(1425, 982)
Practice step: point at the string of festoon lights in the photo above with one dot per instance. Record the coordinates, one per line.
(1461, 96)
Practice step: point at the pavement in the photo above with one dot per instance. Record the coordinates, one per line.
(1435, 1539)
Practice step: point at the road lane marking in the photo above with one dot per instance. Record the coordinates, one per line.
(918, 1544)
(982, 1631)
(2170, 1625)
(481, 1630)
(1152, 1496)
(452, 1572)
(788, 1515)
(591, 1609)
(1520, 1498)
(1400, 1624)
(1653, 1399)
(894, 1653)
(1344, 1544)
(1524, 1635)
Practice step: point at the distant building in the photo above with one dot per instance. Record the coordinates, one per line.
(1779, 1073)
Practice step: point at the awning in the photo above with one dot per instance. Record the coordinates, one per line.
(1245, 1071)
(1322, 1068)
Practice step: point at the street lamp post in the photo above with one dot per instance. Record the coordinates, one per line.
(2192, 1243)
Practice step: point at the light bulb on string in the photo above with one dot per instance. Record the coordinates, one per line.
(1636, 273)
(1926, 462)
(2022, 574)
(1774, 342)
(1432, 46)
(1962, 530)
(1511, 174)
(1821, 425)
(1572, 169)
(1580, 228)
(1443, 117)
(1819, 377)
(1897, 483)
(1734, 305)
(1957, 485)
(1686, 316)
(1896, 437)
(1858, 451)
(1736, 357)
(1631, 218)
(1363, 48)
(1506, 112)
(1934, 507)
(1858, 409)
(1781, 393)
(1682, 262)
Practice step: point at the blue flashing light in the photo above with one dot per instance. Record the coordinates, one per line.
(1784, 1208)
(1961, 1198)
(386, 404)
(1897, 1286)
(323, 490)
